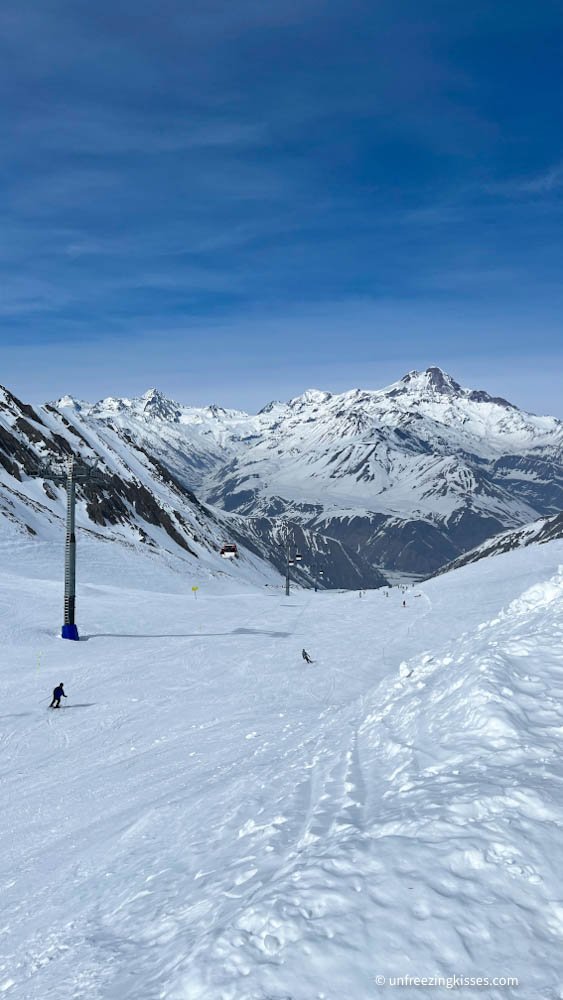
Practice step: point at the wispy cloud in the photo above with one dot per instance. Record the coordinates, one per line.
(82, 129)
(544, 183)
(300, 177)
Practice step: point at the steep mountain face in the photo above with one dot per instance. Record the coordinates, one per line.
(406, 478)
(133, 497)
(136, 499)
(546, 529)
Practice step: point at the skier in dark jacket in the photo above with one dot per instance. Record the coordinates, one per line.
(58, 693)
(306, 656)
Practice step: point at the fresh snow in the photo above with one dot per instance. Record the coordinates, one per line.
(207, 818)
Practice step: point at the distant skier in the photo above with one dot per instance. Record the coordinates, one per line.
(404, 604)
(306, 656)
(58, 693)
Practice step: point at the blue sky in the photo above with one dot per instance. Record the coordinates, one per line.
(235, 201)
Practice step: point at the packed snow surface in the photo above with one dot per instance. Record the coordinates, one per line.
(209, 818)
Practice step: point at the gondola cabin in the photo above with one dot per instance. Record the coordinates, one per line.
(229, 551)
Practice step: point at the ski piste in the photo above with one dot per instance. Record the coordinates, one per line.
(228, 820)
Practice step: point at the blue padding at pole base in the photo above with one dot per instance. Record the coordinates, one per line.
(69, 632)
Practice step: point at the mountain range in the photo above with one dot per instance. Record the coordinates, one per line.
(376, 484)
(135, 500)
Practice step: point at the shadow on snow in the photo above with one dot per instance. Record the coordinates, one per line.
(182, 635)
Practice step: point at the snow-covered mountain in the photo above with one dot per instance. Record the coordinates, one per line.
(133, 499)
(138, 500)
(407, 477)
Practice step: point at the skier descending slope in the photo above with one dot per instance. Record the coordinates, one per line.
(58, 693)
(306, 656)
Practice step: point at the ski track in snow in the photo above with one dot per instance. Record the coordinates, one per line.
(208, 818)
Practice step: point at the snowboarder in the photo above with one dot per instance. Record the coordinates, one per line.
(306, 656)
(58, 693)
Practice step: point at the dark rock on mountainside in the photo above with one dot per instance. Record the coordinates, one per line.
(544, 530)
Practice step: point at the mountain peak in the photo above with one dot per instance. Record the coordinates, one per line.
(434, 379)
(154, 397)
(316, 395)
(310, 396)
(154, 403)
(70, 403)
(270, 406)
(6, 397)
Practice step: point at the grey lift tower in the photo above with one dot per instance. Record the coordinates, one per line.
(289, 559)
(73, 473)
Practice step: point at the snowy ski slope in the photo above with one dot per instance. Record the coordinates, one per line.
(208, 819)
